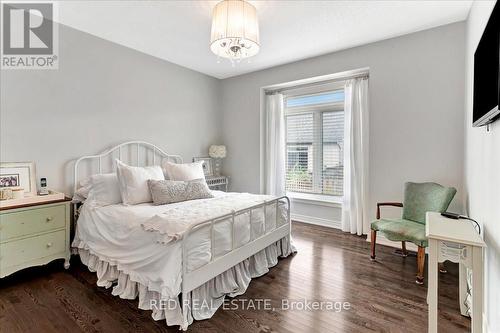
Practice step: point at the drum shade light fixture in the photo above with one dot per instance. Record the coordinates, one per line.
(235, 30)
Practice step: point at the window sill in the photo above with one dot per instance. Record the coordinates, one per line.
(316, 199)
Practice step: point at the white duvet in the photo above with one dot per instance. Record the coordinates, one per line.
(117, 236)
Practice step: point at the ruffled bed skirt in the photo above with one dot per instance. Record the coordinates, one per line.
(209, 296)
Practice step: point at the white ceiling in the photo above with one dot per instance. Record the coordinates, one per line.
(179, 31)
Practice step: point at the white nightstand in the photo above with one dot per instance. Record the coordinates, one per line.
(217, 182)
(457, 241)
(33, 235)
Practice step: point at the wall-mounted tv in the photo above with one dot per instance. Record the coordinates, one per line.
(487, 73)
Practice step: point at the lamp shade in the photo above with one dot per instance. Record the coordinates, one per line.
(235, 30)
(216, 151)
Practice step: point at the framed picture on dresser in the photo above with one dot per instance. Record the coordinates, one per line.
(17, 175)
(207, 165)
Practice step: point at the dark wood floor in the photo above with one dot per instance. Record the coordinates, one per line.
(330, 265)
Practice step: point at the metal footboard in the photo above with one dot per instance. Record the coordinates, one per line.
(219, 264)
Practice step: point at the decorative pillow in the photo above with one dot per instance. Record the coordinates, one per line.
(186, 171)
(170, 191)
(133, 182)
(104, 189)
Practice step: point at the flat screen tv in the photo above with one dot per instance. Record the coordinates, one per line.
(486, 73)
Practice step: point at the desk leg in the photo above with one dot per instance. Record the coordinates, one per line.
(477, 289)
(462, 282)
(432, 282)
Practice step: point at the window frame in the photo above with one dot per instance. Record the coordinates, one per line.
(317, 111)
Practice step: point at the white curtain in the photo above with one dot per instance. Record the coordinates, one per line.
(354, 208)
(275, 145)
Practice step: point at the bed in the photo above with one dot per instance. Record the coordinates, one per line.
(182, 259)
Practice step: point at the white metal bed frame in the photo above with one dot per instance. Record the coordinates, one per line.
(217, 264)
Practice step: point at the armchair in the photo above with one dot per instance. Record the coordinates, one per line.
(419, 198)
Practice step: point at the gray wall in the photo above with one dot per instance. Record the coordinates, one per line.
(103, 94)
(416, 110)
(482, 171)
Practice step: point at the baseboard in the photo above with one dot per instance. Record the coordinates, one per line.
(384, 241)
(337, 225)
(316, 220)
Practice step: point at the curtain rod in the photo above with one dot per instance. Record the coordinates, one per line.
(318, 83)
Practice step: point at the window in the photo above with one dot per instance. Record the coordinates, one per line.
(315, 143)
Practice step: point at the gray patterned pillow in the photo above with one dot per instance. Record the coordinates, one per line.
(170, 191)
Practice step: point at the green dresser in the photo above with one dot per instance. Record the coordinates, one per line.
(34, 235)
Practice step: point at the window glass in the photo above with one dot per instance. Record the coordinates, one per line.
(329, 97)
(315, 144)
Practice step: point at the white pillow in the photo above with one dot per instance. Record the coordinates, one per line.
(184, 172)
(83, 191)
(104, 190)
(133, 182)
(100, 190)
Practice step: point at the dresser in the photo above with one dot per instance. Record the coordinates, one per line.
(33, 235)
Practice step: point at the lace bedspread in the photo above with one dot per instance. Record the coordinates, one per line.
(173, 222)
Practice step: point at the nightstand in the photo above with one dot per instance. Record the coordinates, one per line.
(217, 182)
(34, 235)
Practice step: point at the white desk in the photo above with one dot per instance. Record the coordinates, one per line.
(457, 241)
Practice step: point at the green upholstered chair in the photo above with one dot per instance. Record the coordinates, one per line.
(419, 198)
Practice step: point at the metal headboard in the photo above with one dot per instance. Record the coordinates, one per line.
(136, 145)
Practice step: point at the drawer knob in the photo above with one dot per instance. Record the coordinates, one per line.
(49, 219)
(49, 245)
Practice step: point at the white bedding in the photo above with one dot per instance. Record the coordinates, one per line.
(115, 236)
(174, 220)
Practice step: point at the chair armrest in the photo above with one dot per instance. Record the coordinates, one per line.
(394, 204)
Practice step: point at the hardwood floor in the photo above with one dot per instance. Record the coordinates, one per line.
(330, 266)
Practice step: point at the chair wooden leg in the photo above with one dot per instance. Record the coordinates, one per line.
(403, 248)
(420, 265)
(373, 241)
